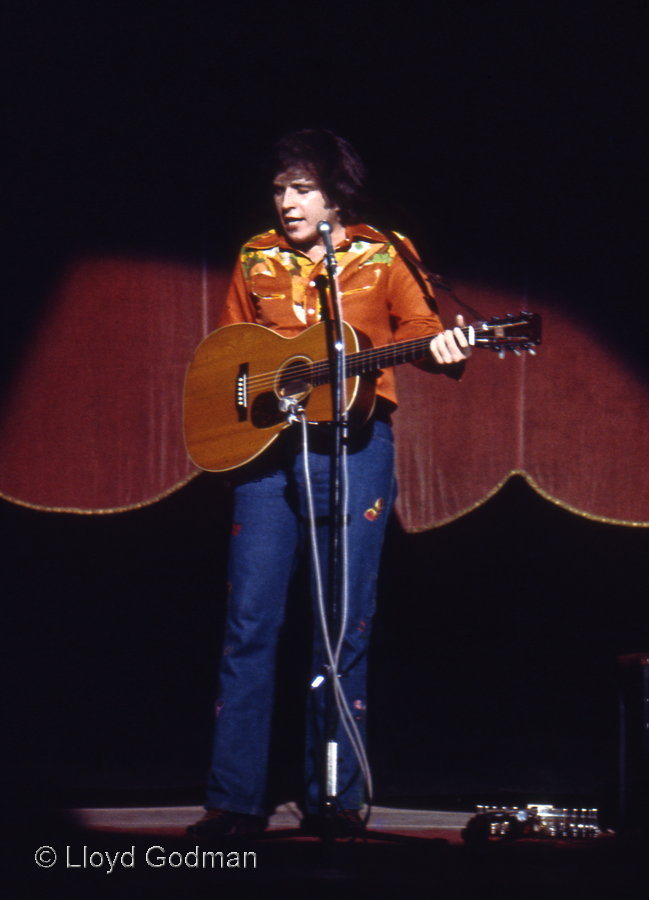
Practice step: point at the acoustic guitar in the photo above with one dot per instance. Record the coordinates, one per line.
(240, 374)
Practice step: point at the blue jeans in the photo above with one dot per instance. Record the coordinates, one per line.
(270, 532)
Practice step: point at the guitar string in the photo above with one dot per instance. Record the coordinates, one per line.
(356, 362)
(390, 354)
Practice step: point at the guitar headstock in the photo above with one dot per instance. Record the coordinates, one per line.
(516, 333)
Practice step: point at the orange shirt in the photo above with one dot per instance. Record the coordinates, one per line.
(273, 286)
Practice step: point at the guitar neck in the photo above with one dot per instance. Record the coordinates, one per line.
(364, 362)
(520, 333)
(375, 358)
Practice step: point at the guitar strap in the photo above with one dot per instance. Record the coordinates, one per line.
(429, 278)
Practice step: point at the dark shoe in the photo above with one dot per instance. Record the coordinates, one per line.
(217, 822)
(340, 824)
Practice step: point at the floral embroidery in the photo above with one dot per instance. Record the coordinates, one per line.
(277, 274)
(375, 511)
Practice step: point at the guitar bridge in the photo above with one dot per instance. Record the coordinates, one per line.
(241, 397)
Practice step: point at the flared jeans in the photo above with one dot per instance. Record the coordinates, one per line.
(270, 531)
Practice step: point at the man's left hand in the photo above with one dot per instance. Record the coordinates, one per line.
(451, 346)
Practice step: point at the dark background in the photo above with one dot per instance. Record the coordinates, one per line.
(506, 139)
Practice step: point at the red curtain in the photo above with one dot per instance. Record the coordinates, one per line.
(92, 419)
(573, 419)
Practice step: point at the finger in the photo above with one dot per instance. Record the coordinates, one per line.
(457, 345)
(466, 338)
(460, 337)
(441, 348)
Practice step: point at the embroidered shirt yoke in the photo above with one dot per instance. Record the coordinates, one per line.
(273, 285)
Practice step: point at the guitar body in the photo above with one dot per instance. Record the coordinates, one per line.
(237, 378)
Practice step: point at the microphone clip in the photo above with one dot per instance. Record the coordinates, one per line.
(291, 408)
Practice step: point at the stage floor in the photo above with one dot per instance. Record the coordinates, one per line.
(173, 820)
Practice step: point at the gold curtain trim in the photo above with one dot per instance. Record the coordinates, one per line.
(539, 490)
(101, 512)
(412, 530)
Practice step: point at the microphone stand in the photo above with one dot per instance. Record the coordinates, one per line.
(336, 567)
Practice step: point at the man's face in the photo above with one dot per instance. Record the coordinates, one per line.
(301, 206)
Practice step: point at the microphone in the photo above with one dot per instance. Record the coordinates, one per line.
(324, 230)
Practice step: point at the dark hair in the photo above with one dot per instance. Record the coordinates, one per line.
(332, 160)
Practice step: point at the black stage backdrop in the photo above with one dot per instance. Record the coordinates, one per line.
(494, 654)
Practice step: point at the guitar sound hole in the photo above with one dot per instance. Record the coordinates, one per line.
(292, 381)
(295, 379)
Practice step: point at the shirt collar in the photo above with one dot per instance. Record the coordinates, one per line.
(273, 238)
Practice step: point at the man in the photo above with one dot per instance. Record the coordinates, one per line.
(318, 178)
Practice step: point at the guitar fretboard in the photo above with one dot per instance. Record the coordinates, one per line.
(374, 358)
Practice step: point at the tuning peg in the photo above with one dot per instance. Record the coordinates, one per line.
(501, 354)
(531, 351)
